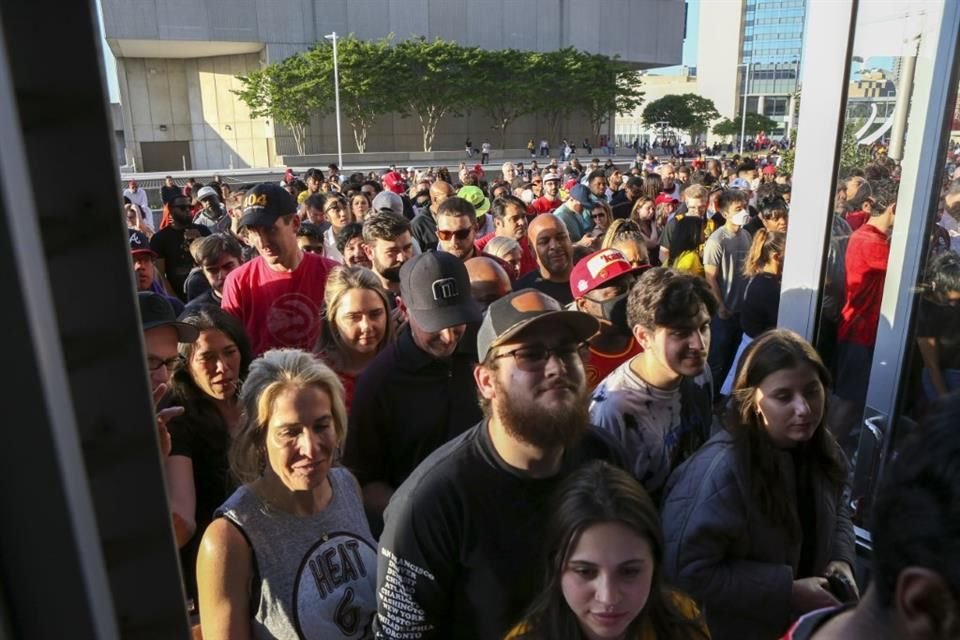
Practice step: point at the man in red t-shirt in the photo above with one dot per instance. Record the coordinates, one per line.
(868, 250)
(550, 199)
(600, 284)
(510, 220)
(278, 296)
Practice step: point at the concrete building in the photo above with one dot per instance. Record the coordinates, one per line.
(755, 58)
(178, 62)
(632, 127)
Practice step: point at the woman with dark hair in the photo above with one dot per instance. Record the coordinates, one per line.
(290, 554)
(938, 328)
(644, 213)
(604, 551)
(756, 520)
(652, 186)
(685, 246)
(206, 383)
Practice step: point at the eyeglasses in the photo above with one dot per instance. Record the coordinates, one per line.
(334, 207)
(310, 248)
(535, 358)
(459, 234)
(155, 364)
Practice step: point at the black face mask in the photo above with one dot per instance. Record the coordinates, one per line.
(614, 311)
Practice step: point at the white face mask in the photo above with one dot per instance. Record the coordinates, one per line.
(741, 218)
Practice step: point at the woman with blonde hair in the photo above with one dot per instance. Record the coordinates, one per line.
(508, 252)
(761, 298)
(290, 553)
(358, 324)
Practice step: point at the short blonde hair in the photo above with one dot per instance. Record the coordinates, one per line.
(270, 375)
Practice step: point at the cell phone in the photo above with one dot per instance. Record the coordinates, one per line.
(841, 588)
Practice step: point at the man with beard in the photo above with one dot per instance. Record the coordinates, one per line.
(600, 284)
(387, 243)
(172, 246)
(550, 241)
(550, 199)
(658, 404)
(460, 552)
(457, 228)
(510, 220)
(278, 295)
(418, 392)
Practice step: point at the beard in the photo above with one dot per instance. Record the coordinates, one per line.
(182, 218)
(543, 427)
(390, 274)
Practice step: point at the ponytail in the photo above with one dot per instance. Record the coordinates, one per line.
(765, 245)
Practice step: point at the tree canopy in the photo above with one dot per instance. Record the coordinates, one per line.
(687, 112)
(756, 122)
(431, 80)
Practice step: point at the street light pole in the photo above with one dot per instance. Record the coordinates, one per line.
(336, 97)
(743, 117)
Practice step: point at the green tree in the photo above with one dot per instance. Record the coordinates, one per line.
(605, 87)
(433, 81)
(558, 96)
(367, 70)
(756, 122)
(288, 92)
(688, 112)
(504, 86)
(853, 155)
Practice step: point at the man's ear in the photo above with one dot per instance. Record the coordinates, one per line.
(926, 606)
(643, 336)
(400, 305)
(367, 251)
(484, 378)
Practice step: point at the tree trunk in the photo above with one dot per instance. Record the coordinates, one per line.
(359, 134)
(299, 131)
(504, 123)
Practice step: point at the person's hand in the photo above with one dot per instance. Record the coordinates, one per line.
(585, 241)
(163, 417)
(724, 313)
(844, 570)
(808, 594)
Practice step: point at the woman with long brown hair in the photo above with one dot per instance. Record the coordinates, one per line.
(604, 578)
(756, 520)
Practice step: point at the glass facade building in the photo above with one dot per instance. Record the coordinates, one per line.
(770, 54)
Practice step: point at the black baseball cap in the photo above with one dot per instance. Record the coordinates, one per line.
(265, 203)
(156, 311)
(435, 289)
(527, 309)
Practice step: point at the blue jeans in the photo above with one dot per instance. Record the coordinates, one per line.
(951, 377)
(725, 335)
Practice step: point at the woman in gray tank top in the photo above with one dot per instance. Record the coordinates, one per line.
(290, 554)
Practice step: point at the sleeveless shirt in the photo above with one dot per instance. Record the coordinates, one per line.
(314, 576)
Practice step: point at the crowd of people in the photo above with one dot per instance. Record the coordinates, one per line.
(549, 403)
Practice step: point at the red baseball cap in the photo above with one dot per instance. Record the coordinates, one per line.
(665, 198)
(597, 269)
(393, 181)
(569, 184)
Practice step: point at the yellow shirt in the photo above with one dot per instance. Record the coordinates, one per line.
(689, 262)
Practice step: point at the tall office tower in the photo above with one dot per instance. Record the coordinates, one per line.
(750, 50)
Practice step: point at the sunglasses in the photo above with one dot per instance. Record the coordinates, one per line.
(599, 216)
(459, 234)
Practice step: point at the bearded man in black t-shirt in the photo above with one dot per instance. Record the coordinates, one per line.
(460, 552)
(172, 246)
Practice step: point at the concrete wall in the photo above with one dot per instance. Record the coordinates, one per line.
(190, 99)
(178, 60)
(718, 53)
(645, 32)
